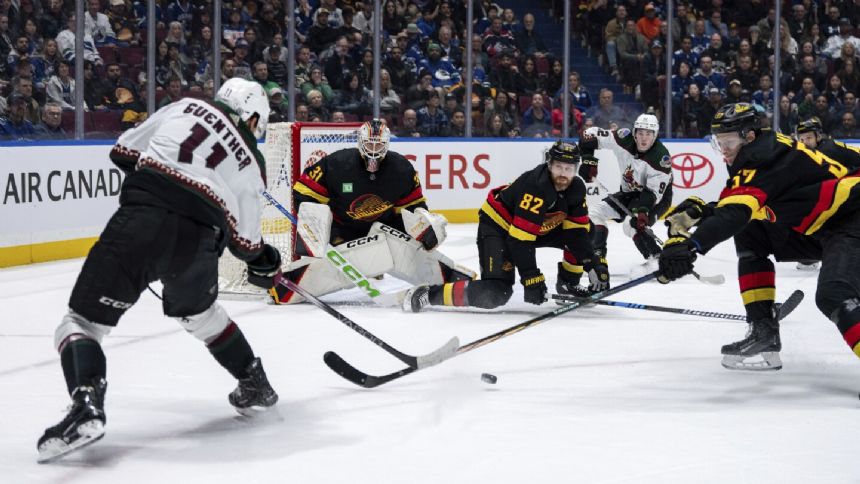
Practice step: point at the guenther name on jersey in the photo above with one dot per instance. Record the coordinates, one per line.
(208, 117)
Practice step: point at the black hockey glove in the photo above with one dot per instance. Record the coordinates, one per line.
(676, 259)
(535, 288)
(639, 220)
(588, 168)
(588, 143)
(263, 270)
(598, 274)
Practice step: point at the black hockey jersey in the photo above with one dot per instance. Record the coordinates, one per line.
(358, 198)
(779, 180)
(530, 209)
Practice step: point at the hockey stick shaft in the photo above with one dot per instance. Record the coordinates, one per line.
(663, 309)
(336, 259)
(413, 361)
(715, 279)
(349, 372)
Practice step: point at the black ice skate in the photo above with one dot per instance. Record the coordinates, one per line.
(416, 299)
(84, 424)
(253, 395)
(572, 293)
(759, 351)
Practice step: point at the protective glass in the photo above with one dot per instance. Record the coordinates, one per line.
(727, 144)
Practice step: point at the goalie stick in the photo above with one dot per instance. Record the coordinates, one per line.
(358, 377)
(336, 259)
(715, 279)
(414, 362)
(783, 309)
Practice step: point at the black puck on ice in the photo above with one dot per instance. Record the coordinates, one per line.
(488, 378)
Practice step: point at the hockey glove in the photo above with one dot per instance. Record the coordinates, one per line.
(426, 227)
(639, 220)
(676, 259)
(535, 288)
(588, 141)
(598, 274)
(687, 214)
(588, 168)
(263, 270)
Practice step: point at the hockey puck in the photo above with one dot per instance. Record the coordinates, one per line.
(488, 378)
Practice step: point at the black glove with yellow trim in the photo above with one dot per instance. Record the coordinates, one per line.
(687, 214)
(534, 284)
(676, 259)
(598, 274)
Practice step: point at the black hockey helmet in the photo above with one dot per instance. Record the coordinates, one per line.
(563, 152)
(738, 118)
(811, 125)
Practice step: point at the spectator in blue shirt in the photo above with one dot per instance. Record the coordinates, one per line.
(15, 125)
(537, 119)
(578, 94)
(52, 119)
(707, 77)
(444, 73)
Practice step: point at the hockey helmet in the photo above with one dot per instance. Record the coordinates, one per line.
(811, 125)
(730, 127)
(563, 152)
(647, 121)
(373, 140)
(247, 99)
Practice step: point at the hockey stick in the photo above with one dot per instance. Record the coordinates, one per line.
(336, 259)
(349, 372)
(784, 308)
(715, 279)
(414, 362)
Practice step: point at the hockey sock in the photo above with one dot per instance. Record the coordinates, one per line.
(450, 294)
(599, 236)
(569, 270)
(847, 319)
(756, 278)
(232, 351)
(83, 362)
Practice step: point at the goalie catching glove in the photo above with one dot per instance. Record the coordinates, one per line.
(426, 227)
(263, 270)
(686, 215)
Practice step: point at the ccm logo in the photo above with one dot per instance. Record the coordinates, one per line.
(395, 232)
(692, 170)
(114, 303)
(362, 241)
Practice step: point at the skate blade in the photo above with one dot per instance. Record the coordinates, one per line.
(808, 267)
(255, 410)
(53, 449)
(766, 361)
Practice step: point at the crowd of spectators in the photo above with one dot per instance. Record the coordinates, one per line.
(516, 88)
(726, 53)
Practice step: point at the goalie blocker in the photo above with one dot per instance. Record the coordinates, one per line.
(385, 250)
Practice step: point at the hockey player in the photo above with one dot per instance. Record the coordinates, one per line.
(646, 182)
(193, 179)
(368, 202)
(543, 207)
(807, 202)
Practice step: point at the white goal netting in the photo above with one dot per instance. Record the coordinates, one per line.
(289, 149)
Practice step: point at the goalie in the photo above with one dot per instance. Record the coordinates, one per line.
(368, 202)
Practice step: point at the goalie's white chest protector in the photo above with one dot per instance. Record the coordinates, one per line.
(198, 146)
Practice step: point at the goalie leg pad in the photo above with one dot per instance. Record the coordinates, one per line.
(414, 264)
(370, 255)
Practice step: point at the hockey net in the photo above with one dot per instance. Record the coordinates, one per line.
(289, 148)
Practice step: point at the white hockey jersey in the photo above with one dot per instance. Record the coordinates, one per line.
(196, 144)
(651, 170)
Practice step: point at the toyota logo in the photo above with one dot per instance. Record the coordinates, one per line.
(692, 170)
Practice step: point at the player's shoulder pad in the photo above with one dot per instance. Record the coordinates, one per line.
(658, 157)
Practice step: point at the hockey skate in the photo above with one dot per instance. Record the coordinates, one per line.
(84, 424)
(416, 299)
(758, 351)
(253, 395)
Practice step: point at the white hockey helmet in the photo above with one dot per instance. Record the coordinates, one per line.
(373, 140)
(247, 99)
(647, 121)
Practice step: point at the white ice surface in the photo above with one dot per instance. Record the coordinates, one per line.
(598, 395)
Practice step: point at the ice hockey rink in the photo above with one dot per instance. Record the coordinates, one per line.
(597, 395)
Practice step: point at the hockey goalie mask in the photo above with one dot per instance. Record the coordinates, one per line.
(247, 99)
(373, 140)
(645, 131)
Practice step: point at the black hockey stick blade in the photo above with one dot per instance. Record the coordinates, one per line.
(358, 377)
(790, 304)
